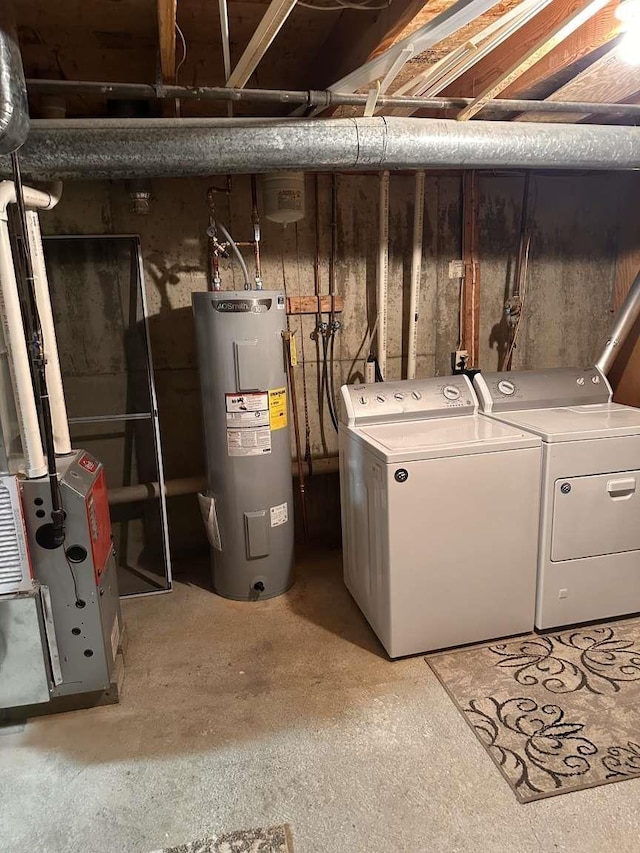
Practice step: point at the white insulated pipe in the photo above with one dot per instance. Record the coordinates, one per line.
(416, 270)
(624, 322)
(59, 419)
(35, 463)
(382, 274)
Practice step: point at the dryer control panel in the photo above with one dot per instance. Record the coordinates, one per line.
(541, 389)
(408, 400)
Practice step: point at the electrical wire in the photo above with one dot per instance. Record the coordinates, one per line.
(522, 264)
(523, 294)
(331, 387)
(184, 52)
(325, 369)
(370, 334)
(73, 577)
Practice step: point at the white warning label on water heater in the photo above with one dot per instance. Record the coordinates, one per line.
(279, 514)
(248, 424)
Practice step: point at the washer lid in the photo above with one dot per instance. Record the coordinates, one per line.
(572, 423)
(440, 437)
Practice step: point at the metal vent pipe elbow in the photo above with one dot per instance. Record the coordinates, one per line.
(622, 325)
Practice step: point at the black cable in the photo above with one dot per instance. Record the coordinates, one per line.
(36, 350)
(331, 389)
(325, 349)
(73, 577)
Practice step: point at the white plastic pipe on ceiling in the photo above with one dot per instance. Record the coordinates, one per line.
(132, 148)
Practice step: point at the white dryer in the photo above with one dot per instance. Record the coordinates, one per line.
(589, 557)
(439, 515)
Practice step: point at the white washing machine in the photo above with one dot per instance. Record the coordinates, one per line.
(439, 515)
(589, 557)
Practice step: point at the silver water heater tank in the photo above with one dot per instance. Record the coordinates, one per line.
(248, 507)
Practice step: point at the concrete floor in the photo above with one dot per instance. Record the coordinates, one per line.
(237, 715)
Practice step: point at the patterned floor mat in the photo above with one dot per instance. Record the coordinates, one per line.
(274, 839)
(556, 712)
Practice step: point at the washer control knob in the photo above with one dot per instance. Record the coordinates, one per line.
(380, 398)
(506, 387)
(595, 379)
(451, 392)
(416, 395)
(399, 396)
(363, 401)
(580, 380)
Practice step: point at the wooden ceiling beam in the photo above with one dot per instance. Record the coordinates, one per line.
(597, 31)
(537, 52)
(608, 80)
(356, 38)
(167, 11)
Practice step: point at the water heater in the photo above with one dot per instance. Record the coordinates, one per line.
(248, 506)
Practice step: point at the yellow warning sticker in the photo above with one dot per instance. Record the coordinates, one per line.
(278, 408)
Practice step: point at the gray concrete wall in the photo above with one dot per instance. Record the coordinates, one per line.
(567, 312)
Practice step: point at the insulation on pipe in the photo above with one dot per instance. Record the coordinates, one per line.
(132, 148)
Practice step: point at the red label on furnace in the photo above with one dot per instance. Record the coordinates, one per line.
(88, 463)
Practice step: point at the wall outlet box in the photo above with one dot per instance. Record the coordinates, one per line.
(456, 269)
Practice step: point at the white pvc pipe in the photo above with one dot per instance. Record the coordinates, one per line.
(26, 409)
(40, 199)
(35, 463)
(382, 275)
(416, 270)
(59, 420)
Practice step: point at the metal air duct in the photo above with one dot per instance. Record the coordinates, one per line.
(133, 148)
(14, 111)
(622, 325)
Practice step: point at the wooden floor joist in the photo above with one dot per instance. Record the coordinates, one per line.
(598, 31)
(608, 80)
(537, 52)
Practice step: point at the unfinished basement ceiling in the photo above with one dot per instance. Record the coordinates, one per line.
(120, 41)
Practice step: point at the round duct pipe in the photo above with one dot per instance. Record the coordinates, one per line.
(119, 149)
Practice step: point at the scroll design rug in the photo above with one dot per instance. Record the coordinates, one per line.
(274, 839)
(556, 712)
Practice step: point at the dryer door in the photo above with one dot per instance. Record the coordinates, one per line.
(597, 515)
